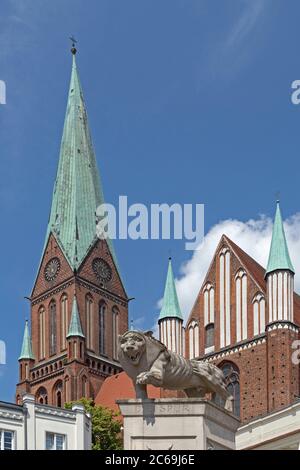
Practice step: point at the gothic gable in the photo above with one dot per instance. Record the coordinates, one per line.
(99, 269)
(231, 301)
(53, 270)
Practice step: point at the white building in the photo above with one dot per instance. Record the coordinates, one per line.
(279, 430)
(32, 426)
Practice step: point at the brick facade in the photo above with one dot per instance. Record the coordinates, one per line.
(268, 379)
(61, 374)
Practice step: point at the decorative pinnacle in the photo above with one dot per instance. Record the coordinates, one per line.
(74, 42)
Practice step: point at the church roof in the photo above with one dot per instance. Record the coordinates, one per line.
(253, 267)
(279, 257)
(170, 306)
(258, 273)
(77, 190)
(26, 352)
(75, 324)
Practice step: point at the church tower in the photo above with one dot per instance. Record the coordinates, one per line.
(283, 375)
(170, 319)
(78, 303)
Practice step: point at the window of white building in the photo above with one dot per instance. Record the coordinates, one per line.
(6, 440)
(55, 441)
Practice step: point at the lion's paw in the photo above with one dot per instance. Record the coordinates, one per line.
(142, 378)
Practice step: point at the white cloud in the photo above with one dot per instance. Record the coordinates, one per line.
(246, 22)
(253, 236)
(240, 42)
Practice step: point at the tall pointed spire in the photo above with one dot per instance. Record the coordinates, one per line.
(171, 306)
(26, 352)
(75, 324)
(77, 190)
(279, 257)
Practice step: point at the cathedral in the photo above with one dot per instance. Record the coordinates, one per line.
(78, 301)
(245, 318)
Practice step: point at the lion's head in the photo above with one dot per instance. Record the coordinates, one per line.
(133, 345)
(138, 350)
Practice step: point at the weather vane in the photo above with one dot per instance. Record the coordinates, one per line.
(74, 42)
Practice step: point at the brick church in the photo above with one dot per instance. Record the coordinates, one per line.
(245, 317)
(78, 301)
(245, 320)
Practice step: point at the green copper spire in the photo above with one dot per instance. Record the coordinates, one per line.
(75, 325)
(279, 257)
(77, 190)
(26, 352)
(171, 306)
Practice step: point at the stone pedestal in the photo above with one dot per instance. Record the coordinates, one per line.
(177, 424)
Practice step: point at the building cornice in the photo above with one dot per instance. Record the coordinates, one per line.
(221, 354)
(84, 283)
(11, 415)
(282, 324)
(102, 291)
(60, 413)
(55, 290)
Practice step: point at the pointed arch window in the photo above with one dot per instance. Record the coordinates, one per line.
(42, 333)
(42, 396)
(209, 304)
(259, 316)
(224, 291)
(102, 327)
(241, 305)
(209, 337)
(67, 389)
(57, 394)
(89, 312)
(115, 331)
(64, 320)
(84, 387)
(52, 328)
(193, 339)
(232, 378)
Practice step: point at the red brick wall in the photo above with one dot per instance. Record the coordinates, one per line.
(47, 371)
(283, 375)
(252, 366)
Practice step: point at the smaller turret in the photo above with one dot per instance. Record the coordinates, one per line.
(26, 359)
(75, 336)
(170, 319)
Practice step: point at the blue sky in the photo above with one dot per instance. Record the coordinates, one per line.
(188, 101)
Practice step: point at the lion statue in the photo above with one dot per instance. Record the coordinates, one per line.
(147, 361)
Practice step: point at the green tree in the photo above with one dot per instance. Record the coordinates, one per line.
(106, 429)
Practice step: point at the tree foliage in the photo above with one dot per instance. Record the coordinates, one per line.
(106, 429)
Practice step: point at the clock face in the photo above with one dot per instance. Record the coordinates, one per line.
(52, 269)
(102, 269)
